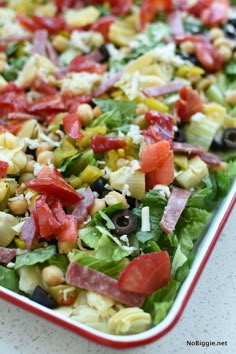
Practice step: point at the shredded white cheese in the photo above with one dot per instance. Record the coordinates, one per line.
(145, 219)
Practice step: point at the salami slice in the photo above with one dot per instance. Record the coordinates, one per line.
(176, 204)
(90, 279)
(6, 255)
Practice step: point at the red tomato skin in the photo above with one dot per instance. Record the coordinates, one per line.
(188, 104)
(46, 221)
(50, 183)
(72, 126)
(146, 273)
(150, 8)
(3, 168)
(102, 25)
(216, 13)
(84, 63)
(102, 143)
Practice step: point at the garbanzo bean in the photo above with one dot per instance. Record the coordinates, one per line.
(18, 205)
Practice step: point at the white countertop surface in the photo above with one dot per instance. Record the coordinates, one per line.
(209, 316)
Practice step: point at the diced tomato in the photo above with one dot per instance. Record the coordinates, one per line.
(208, 56)
(72, 125)
(154, 155)
(120, 7)
(50, 182)
(146, 273)
(150, 8)
(160, 129)
(216, 13)
(51, 24)
(46, 221)
(44, 87)
(3, 168)
(102, 25)
(83, 63)
(50, 102)
(102, 143)
(68, 231)
(3, 47)
(188, 104)
(27, 22)
(164, 174)
(198, 7)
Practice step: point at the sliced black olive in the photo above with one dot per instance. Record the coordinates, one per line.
(104, 51)
(43, 298)
(98, 186)
(192, 58)
(232, 21)
(124, 221)
(229, 138)
(217, 143)
(230, 30)
(131, 201)
(179, 136)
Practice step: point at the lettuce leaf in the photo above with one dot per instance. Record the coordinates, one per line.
(156, 203)
(38, 255)
(159, 303)
(9, 279)
(109, 267)
(124, 111)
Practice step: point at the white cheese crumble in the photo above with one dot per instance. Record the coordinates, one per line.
(198, 117)
(163, 190)
(167, 54)
(80, 83)
(53, 143)
(135, 134)
(145, 219)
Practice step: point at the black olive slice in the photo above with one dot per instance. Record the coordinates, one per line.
(179, 136)
(124, 221)
(43, 298)
(104, 51)
(229, 138)
(98, 186)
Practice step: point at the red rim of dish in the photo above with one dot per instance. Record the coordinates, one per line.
(116, 343)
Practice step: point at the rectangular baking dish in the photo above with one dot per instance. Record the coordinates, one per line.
(203, 252)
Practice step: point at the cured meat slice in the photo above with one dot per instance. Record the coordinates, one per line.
(176, 204)
(6, 255)
(160, 90)
(90, 279)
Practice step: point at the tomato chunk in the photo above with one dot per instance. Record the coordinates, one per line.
(150, 8)
(50, 182)
(188, 104)
(154, 155)
(146, 273)
(72, 126)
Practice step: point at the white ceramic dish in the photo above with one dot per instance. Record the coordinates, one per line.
(204, 250)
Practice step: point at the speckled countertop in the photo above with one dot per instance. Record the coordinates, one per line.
(209, 316)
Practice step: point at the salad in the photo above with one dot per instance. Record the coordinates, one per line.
(117, 144)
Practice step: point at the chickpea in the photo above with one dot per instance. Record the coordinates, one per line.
(52, 275)
(141, 109)
(114, 197)
(60, 43)
(97, 112)
(65, 247)
(187, 47)
(26, 177)
(99, 204)
(18, 205)
(29, 167)
(85, 113)
(46, 157)
(44, 146)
